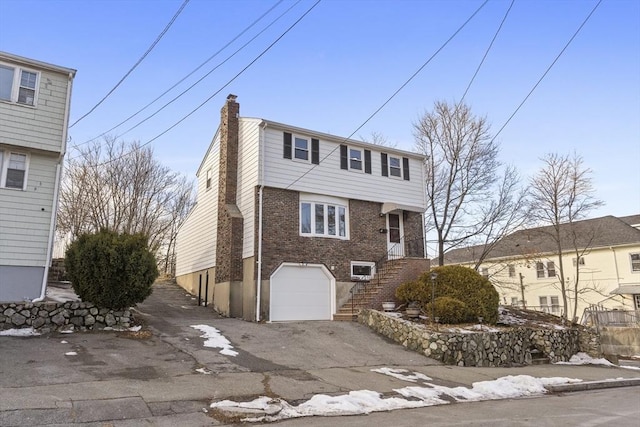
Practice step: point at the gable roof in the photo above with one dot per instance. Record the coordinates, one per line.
(597, 232)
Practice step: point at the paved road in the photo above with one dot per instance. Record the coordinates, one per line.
(156, 378)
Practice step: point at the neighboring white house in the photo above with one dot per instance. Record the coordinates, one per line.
(526, 263)
(286, 218)
(34, 114)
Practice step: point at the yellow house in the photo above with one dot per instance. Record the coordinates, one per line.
(601, 255)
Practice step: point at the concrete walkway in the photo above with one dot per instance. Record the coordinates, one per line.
(164, 375)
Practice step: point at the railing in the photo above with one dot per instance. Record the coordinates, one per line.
(406, 247)
(599, 316)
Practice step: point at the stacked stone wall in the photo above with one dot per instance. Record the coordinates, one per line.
(508, 347)
(53, 316)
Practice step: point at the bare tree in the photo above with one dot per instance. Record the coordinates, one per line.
(120, 186)
(379, 138)
(470, 202)
(562, 193)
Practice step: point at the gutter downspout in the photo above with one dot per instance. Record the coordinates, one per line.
(56, 192)
(260, 193)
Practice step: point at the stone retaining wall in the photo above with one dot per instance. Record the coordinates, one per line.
(54, 316)
(512, 346)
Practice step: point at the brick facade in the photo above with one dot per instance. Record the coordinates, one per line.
(281, 240)
(230, 222)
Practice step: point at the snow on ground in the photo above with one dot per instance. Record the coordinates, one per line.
(71, 353)
(585, 359)
(204, 371)
(213, 338)
(23, 332)
(64, 294)
(365, 401)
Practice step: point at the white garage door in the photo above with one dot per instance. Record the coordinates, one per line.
(301, 292)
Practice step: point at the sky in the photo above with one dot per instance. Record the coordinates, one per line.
(342, 61)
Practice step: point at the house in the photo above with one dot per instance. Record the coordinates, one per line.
(288, 219)
(34, 114)
(524, 266)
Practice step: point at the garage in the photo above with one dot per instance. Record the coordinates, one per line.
(301, 292)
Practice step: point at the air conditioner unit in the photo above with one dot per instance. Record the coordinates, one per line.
(362, 271)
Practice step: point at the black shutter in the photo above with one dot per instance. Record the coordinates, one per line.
(315, 151)
(367, 161)
(343, 157)
(405, 168)
(287, 145)
(385, 165)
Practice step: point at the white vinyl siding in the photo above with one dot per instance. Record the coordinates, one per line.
(39, 126)
(327, 177)
(196, 239)
(26, 215)
(248, 151)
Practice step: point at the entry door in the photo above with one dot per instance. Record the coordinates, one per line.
(395, 246)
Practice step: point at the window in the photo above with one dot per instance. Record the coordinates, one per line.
(636, 298)
(323, 219)
(298, 148)
(208, 179)
(581, 262)
(539, 270)
(512, 270)
(551, 269)
(18, 85)
(514, 300)
(394, 166)
(635, 262)
(355, 159)
(485, 273)
(362, 270)
(13, 170)
(301, 148)
(550, 304)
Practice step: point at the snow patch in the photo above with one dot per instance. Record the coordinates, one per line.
(585, 359)
(213, 338)
(400, 374)
(22, 332)
(71, 353)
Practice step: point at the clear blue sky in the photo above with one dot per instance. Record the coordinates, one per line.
(343, 60)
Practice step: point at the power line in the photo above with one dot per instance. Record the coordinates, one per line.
(394, 93)
(190, 74)
(224, 86)
(155, 42)
(487, 52)
(548, 69)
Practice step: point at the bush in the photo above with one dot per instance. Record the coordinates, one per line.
(457, 282)
(111, 270)
(449, 310)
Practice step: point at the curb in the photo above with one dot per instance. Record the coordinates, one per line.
(593, 385)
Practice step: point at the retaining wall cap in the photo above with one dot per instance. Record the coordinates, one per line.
(593, 385)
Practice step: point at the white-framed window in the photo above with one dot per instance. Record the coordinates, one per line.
(485, 272)
(635, 263)
(514, 300)
(13, 170)
(323, 217)
(575, 260)
(355, 159)
(208, 181)
(301, 148)
(362, 270)
(540, 270)
(636, 299)
(551, 269)
(550, 304)
(512, 270)
(18, 85)
(395, 166)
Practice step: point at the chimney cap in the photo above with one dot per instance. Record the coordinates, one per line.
(231, 97)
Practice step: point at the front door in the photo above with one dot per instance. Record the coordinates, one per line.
(395, 246)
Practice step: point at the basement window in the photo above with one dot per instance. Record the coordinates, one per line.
(362, 270)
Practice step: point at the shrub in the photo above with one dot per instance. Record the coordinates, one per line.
(457, 282)
(449, 310)
(111, 270)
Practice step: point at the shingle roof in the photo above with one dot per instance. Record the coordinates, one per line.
(596, 232)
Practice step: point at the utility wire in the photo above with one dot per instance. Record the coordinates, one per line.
(188, 75)
(486, 52)
(394, 93)
(224, 86)
(548, 69)
(166, 28)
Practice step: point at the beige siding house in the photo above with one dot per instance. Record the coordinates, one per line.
(524, 266)
(34, 113)
(287, 218)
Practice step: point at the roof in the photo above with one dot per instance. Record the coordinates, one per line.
(626, 290)
(632, 220)
(35, 63)
(597, 232)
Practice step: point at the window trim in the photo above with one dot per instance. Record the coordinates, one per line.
(631, 261)
(294, 139)
(538, 270)
(580, 261)
(326, 202)
(4, 167)
(16, 84)
(366, 277)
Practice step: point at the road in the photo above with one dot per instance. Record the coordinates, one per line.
(619, 407)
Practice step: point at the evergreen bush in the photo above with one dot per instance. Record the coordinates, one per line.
(111, 270)
(461, 283)
(449, 310)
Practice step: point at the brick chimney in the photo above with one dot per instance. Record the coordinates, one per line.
(230, 222)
